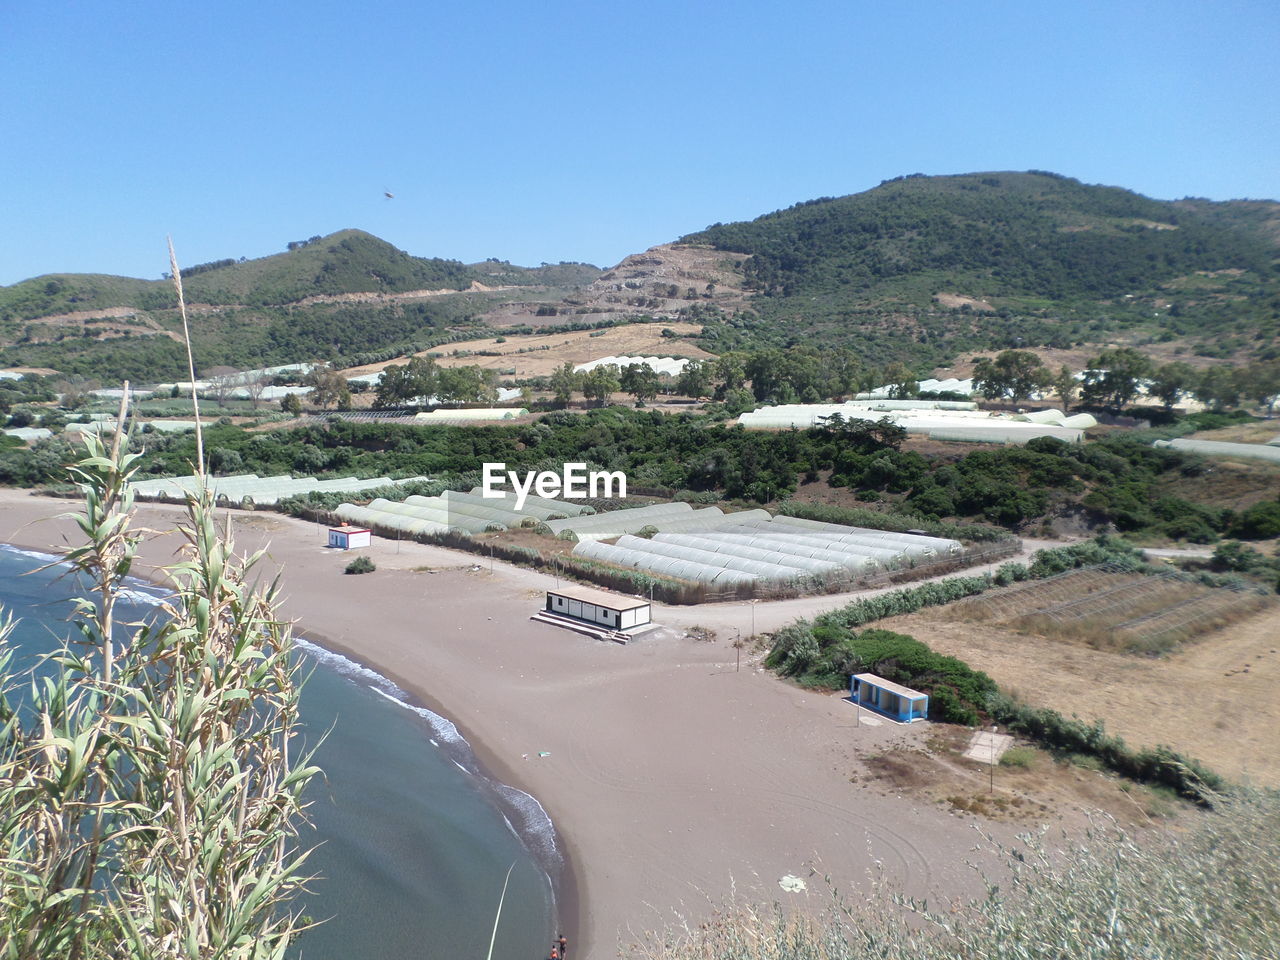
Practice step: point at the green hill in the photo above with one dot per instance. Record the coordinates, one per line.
(1027, 246)
(255, 312)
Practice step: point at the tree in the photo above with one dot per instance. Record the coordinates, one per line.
(290, 403)
(1065, 386)
(222, 382)
(600, 383)
(1260, 382)
(1115, 377)
(1217, 387)
(1169, 381)
(327, 386)
(641, 381)
(75, 392)
(564, 383)
(406, 383)
(729, 371)
(1013, 374)
(255, 384)
(694, 380)
(466, 384)
(150, 795)
(902, 383)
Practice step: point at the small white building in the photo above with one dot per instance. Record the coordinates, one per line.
(349, 538)
(599, 608)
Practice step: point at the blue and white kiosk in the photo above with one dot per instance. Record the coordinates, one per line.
(888, 698)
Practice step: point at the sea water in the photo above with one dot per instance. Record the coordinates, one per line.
(412, 839)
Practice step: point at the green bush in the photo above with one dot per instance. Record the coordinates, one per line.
(361, 565)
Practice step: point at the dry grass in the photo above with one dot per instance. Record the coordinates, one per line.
(1214, 700)
(1126, 612)
(537, 355)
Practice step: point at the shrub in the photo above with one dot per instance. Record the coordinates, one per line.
(361, 565)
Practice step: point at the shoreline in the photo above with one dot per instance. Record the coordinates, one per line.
(490, 772)
(675, 782)
(493, 772)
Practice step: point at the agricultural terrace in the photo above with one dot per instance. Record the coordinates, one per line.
(539, 354)
(1158, 659)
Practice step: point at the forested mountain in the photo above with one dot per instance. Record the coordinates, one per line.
(1030, 247)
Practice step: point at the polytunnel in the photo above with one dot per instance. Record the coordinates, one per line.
(461, 509)
(562, 507)
(940, 544)
(1259, 451)
(773, 572)
(699, 521)
(382, 519)
(669, 566)
(811, 565)
(858, 559)
(462, 516)
(602, 526)
(436, 514)
(748, 538)
(889, 553)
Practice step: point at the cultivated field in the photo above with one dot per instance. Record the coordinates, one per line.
(1126, 612)
(537, 355)
(1214, 699)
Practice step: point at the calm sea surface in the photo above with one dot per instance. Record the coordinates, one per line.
(414, 841)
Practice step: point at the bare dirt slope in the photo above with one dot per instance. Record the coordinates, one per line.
(660, 282)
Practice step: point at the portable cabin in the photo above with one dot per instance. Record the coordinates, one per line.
(349, 538)
(891, 699)
(599, 607)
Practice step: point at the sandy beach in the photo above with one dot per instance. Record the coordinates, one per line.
(674, 779)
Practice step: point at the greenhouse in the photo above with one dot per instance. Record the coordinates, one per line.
(380, 519)
(662, 365)
(474, 413)
(858, 559)
(1220, 448)
(606, 526)
(262, 491)
(665, 566)
(708, 519)
(809, 564)
(940, 545)
(937, 419)
(763, 569)
(555, 509)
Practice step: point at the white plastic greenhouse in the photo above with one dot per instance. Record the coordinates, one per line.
(812, 565)
(1221, 448)
(939, 545)
(666, 566)
(606, 526)
(938, 419)
(850, 556)
(263, 491)
(474, 413)
(662, 365)
(564, 508)
(762, 569)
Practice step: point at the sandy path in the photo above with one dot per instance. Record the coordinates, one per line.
(673, 779)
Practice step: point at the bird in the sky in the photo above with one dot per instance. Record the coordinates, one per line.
(388, 194)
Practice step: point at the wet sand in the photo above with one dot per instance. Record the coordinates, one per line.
(675, 781)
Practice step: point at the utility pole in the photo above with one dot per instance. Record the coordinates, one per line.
(991, 786)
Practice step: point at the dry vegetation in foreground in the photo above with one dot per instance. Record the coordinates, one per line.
(1212, 892)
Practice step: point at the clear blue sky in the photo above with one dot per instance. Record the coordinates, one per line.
(586, 131)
